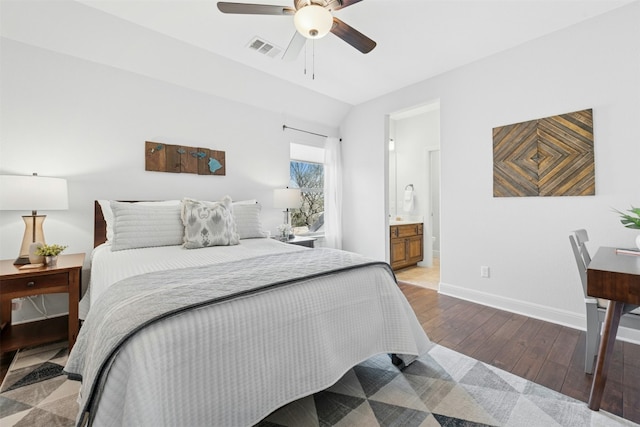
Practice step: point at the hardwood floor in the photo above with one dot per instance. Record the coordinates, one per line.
(542, 352)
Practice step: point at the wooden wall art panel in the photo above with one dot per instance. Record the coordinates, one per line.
(545, 157)
(161, 157)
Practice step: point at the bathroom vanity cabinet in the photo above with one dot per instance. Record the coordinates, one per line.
(406, 243)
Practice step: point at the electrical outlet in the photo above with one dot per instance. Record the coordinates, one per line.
(484, 271)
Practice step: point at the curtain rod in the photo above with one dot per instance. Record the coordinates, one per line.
(301, 130)
(305, 131)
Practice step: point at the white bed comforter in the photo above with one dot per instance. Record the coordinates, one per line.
(233, 363)
(109, 267)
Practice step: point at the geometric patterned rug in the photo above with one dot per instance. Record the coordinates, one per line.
(442, 388)
(34, 391)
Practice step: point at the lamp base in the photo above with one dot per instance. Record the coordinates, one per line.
(21, 261)
(33, 232)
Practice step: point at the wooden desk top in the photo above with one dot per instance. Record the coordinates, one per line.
(614, 276)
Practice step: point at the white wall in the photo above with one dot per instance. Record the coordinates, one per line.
(524, 240)
(67, 117)
(412, 136)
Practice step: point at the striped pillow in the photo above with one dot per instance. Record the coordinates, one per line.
(143, 226)
(248, 223)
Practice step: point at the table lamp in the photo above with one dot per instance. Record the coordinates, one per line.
(286, 198)
(32, 193)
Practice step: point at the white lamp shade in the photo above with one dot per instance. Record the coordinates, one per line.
(286, 198)
(313, 21)
(33, 193)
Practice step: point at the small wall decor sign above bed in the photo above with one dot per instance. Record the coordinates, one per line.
(161, 157)
(552, 156)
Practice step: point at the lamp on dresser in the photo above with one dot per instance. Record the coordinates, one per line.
(286, 198)
(32, 193)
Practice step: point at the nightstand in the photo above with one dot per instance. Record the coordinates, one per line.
(64, 277)
(301, 241)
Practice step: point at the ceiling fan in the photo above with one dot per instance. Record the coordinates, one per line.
(313, 19)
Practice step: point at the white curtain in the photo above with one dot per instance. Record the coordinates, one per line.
(332, 193)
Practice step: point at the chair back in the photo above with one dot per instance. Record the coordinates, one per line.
(581, 254)
(581, 238)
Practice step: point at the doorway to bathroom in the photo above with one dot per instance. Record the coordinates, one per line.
(414, 184)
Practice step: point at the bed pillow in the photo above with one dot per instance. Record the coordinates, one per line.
(107, 213)
(208, 224)
(145, 225)
(244, 202)
(248, 223)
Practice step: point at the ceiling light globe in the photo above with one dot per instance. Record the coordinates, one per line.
(313, 21)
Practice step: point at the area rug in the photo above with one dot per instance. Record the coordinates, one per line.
(442, 388)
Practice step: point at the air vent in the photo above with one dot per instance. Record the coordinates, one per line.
(264, 47)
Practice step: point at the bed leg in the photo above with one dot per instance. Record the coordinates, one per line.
(397, 361)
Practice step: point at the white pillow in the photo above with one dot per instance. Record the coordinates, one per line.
(208, 224)
(247, 217)
(244, 202)
(107, 213)
(144, 225)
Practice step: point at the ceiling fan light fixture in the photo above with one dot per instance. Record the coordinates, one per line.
(313, 21)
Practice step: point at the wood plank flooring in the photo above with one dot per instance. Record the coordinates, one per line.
(542, 352)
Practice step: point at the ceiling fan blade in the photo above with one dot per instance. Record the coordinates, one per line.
(295, 46)
(341, 4)
(352, 36)
(254, 9)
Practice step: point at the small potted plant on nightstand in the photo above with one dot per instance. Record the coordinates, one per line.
(50, 253)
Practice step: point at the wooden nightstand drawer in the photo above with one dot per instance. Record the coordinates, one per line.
(34, 282)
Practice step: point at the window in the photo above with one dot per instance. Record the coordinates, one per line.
(309, 178)
(306, 172)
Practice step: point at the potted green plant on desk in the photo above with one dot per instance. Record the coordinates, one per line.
(631, 220)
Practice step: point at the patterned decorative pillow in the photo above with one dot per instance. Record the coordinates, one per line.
(208, 224)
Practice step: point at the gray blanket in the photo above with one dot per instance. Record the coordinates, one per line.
(133, 303)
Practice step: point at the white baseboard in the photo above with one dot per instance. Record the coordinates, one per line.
(537, 311)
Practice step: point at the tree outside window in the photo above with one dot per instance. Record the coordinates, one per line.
(309, 177)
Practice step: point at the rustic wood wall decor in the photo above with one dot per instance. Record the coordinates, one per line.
(178, 159)
(545, 157)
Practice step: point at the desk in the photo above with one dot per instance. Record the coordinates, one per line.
(616, 278)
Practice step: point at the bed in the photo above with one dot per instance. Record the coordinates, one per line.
(223, 335)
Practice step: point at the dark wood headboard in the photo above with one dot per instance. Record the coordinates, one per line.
(99, 224)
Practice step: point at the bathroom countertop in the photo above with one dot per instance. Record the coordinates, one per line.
(404, 221)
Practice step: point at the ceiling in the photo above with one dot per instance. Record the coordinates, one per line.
(165, 39)
(417, 39)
